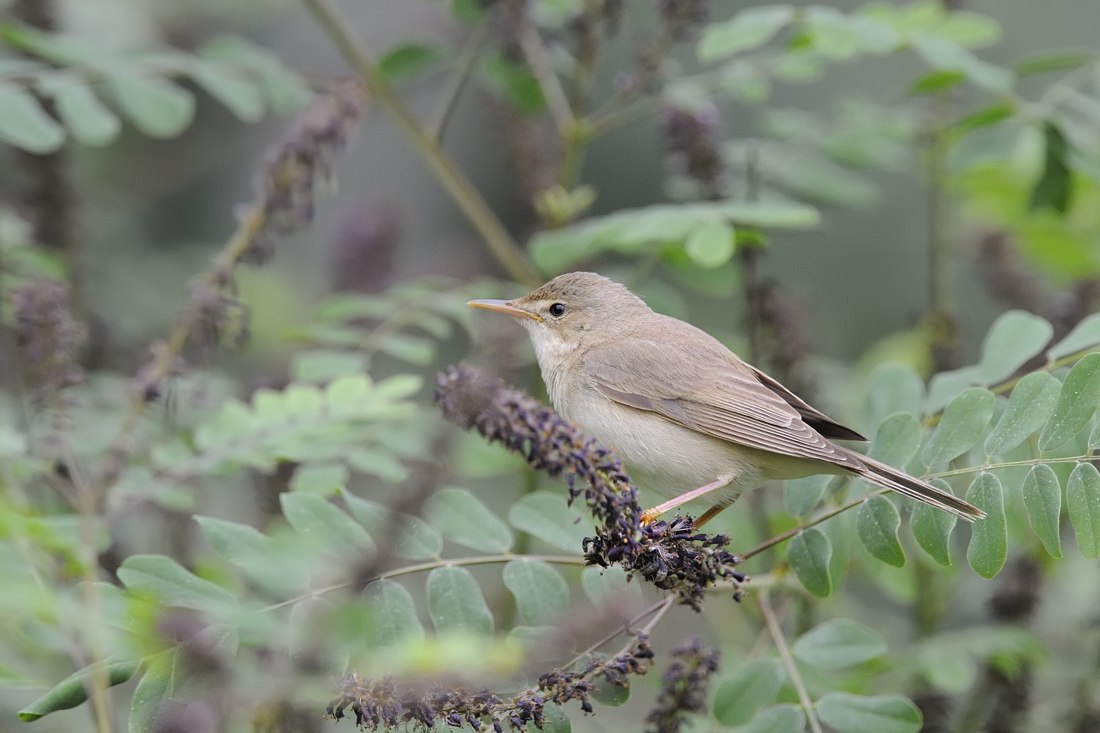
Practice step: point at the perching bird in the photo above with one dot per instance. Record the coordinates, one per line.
(688, 417)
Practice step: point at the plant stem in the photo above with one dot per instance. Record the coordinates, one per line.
(941, 271)
(795, 676)
(471, 51)
(496, 237)
(432, 565)
(783, 536)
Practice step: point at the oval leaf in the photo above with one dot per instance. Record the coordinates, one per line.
(989, 539)
(877, 522)
(745, 689)
(808, 555)
(802, 495)
(897, 439)
(1032, 401)
(961, 426)
(710, 245)
(1083, 503)
(1084, 335)
(746, 30)
(777, 719)
(88, 120)
(541, 593)
(1076, 404)
(157, 686)
(320, 521)
(891, 388)
(859, 714)
(416, 539)
(839, 643)
(455, 602)
(73, 690)
(1015, 337)
(156, 106)
(171, 584)
(462, 518)
(545, 514)
(239, 94)
(932, 527)
(25, 124)
(392, 614)
(1043, 502)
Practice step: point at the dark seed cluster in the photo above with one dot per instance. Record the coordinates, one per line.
(384, 704)
(669, 554)
(693, 141)
(683, 686)
(47, 336)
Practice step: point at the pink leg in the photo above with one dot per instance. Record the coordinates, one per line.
(651, 514)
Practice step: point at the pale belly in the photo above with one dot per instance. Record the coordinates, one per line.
(669, 459)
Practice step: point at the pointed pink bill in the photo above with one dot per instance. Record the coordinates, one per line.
(504, 306)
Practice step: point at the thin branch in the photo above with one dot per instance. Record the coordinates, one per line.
(464, 67)
(659, 608)
(430, 565)
(783, 536)
(557, 102)
(497, 238)
(795, 676)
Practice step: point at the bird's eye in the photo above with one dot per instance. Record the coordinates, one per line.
(557, 310)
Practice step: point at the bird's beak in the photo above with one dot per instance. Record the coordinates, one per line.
(507, 307)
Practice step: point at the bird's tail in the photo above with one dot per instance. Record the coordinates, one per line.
(890, 478)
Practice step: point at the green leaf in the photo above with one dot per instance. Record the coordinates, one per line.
(945, 386)
(1015, 337)
(455, 602)
(73, 690)
(412, 349)
(935, 82)
(25, 125)
(861, 714)
(322, 479)
(776, 719)
(1029, 407)
(839, 643)
(604, 584)
(611, 695)
(1076, 404)
(239, 94)
(379, 462)
(540, 591)
(554, 720)
(747, 29)
(932, 527)
(241, 544)
(964, 419)
(710, 245)
(1083, 503)
(808, 555)
(1053, 62)
(1084, 335)
(416, 539)
(877, 522)
(514, 83)
(972, 30)
(897, 439)
(545, 514)
(1043, 502)
(88, 120)
(320, 521)
(745, 689)
(409, 60)
(392, 615)
(156, 106)
(985, 117)
(462, 518)
(801, 495)
(1054, 187)
(323, 365)
(170, 584)
(989, 539)
(156, 687)
(946, 55)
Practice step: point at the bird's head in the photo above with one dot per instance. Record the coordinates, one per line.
(570, 310)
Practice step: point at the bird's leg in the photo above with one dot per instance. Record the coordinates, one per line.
(651, 514)
(709, 514)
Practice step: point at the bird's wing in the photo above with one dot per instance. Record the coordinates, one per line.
(814, 417)
(710, 391)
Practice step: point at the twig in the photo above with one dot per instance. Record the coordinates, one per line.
(795, 676)
(430, 565)
(496, 237)
(657, 610)
(539, 62)
(467, 59)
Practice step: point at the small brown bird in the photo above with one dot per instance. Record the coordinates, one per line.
(688, 417)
